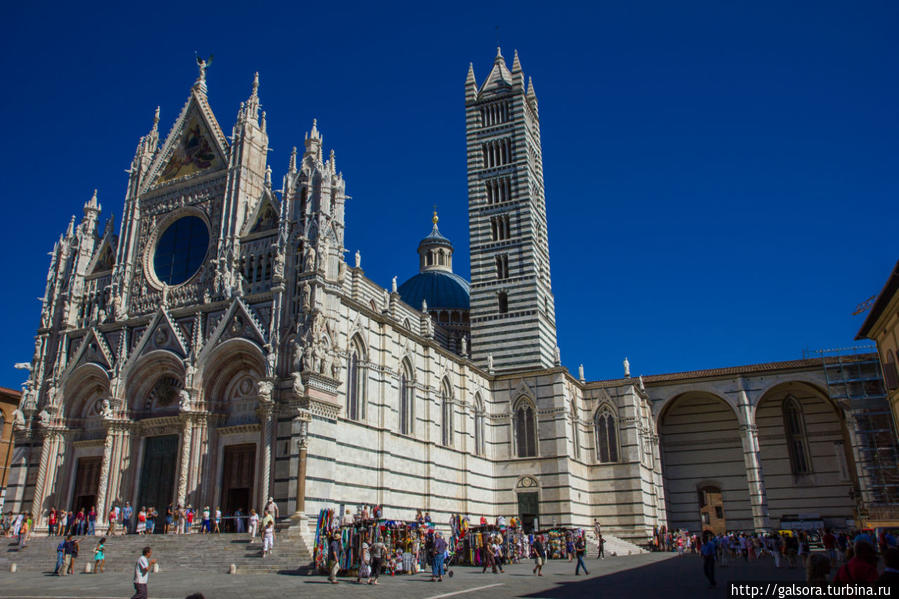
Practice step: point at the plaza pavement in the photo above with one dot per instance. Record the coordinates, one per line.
(635, 577)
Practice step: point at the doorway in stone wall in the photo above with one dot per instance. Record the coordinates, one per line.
(87, 479)
(238, 469)
(157, 476)
(529, 511)
(711, 510)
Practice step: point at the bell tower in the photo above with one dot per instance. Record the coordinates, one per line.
(512, 310)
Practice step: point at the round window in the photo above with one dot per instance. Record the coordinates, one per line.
(181, 250)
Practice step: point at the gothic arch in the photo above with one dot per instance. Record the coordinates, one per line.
(606, 434)
(146, 372)
(524, 428)
(85, 385)
(356, 378)
(700, 440)
(224, 369)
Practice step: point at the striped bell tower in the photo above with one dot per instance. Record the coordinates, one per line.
(512, 310)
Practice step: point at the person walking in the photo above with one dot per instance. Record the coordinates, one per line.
(142, 573)
(602, 546)
(127, 512)
(378, 551)
(100, 556)
(60, 557)
(489, 557)
(364, 570)
(708, 551)
(268, 538)
(218, 520)
(539, 555)
(439, 554)
(110, 531)
(92, 521)
(71, 554)
(333, 558)
(206, 528)
(254, 524)
(580, 550)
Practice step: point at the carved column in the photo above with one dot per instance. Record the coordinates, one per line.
(103, 486)
(265, 419)
(49, 449)
(184, 468)
(749, 436)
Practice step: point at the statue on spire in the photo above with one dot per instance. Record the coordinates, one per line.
(202, 64)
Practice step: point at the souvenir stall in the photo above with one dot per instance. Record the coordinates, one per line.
(473, 544)
(402, 539)
(555, 538)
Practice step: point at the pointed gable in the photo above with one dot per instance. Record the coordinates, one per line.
(93, 349)
(195, 145)
(265, 215)
(104, 257)
(162, 333)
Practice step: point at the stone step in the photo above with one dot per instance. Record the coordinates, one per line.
(214, 553)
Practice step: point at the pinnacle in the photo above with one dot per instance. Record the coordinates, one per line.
(516, 64)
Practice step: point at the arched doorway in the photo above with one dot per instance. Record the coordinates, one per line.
(699, 435)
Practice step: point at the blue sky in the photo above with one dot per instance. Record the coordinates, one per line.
(721, 176)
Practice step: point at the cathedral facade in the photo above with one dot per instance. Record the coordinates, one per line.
(221, 348)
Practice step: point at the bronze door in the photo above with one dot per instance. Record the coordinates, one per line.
(87, 479)
(238, 470)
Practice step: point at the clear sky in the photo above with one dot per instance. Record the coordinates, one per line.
(721, 176)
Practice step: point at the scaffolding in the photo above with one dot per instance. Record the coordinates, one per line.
(855, 382)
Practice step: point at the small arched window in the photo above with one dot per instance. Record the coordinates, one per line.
(446, 410)
(525, 430)
(355, 390)
(606, 433)
(479, 443)
(407, 396)
(797, 442)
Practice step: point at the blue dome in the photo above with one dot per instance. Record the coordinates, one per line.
(439, 288)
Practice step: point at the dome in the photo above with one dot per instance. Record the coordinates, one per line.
(441, 289)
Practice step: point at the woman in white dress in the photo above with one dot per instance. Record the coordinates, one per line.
(254, 524)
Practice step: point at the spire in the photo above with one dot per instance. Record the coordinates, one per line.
(92, 206)
(471, 84)
(333, 162)
(252, 102)
(517, 74)
(155, 129)
(499, 55)
(292, 166)
(531, 94)
(314, 141)
(70, 232)
(268, 176)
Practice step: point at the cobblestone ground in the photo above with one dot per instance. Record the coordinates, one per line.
(635, 577)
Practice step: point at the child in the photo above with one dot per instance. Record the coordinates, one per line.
(268, 538)
(100, 556)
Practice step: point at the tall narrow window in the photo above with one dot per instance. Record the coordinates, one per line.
(797, 443)
(446, 403)
(606, 434)
(406, 400)
(574, 436)
(525, 431)
(355, 392)
(502, 266)
(479, 443)
(503, 300)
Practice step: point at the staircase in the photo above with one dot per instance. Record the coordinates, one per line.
(614, 546)
(208, 553)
